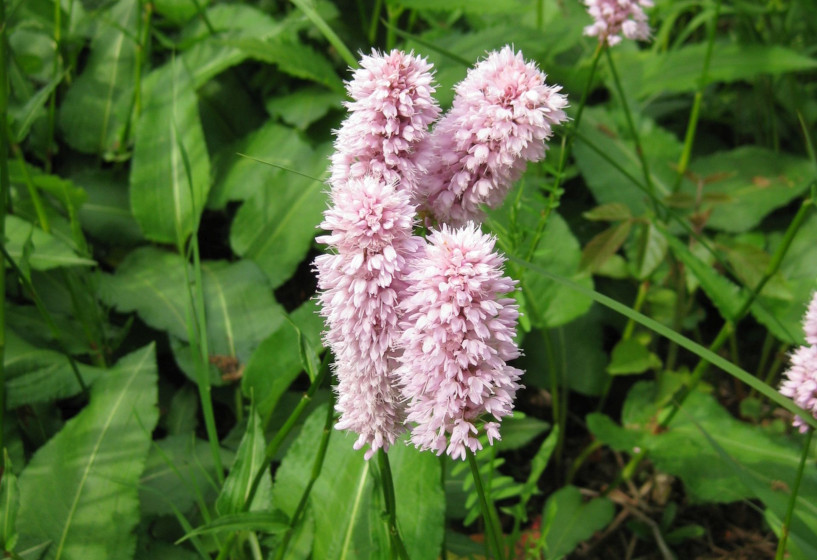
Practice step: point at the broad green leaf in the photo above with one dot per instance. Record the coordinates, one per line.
(750, 263)
(165, 201)
(179, 473)
(272, 368)
(420, 500)
(276, 225)
(295, 59)
(568, 520)
(652, 251)
(182, 415)
(680, 70)
(34, 108)
(518, 430)
(36, 374)
(9, 505)
(684, 451)
(603, 246)
(303, 107)
(149, 548)
(47, 251)
(263, 522)
(341, 496)
(85, 477)
(604, 130)
(799, 268)
(97, 105)
(240, 308)
(239, 178)
(608, 432)
(106, 214)
(748, 183)
(726, 296)
(612, 212)
(178, 11)
(631, 357)
(248, 460)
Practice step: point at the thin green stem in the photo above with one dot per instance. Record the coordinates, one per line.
(694, 115)
(784, 531)
(398, 548)
(633, 130)
(328, 33)
(5, 184)
(567, 143)
(378, 6)
(317, 466)
(489, 514)
(52, 102)
(39, 207)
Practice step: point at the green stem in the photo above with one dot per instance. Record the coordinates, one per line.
(784, 532)
(52, 102)
(391, 506)
(567, 143)
(4, 193)
(633, 130)
(489, 514)
(272, 447)
(378, 6)
(692, 125)
(317, 466)
(39, 208)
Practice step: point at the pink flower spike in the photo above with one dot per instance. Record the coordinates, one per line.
(391, 111)
(502, 115)
(810, 321)
(457, 337)
(370, 225)
(800, 382)
(612, 18)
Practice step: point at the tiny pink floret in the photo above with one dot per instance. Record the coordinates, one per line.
(457, 337)
(810, 321)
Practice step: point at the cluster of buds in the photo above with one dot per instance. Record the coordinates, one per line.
(421, 328)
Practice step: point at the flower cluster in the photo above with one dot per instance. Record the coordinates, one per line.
(370, 225)
(457, 335)
(391, 111)
(502, 114)
(800, 383)
(613, 18)
(420, 328)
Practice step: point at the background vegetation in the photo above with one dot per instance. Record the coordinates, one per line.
(162, 164)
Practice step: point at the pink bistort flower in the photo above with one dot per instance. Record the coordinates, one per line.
(612, 18)
(370, 224)
(502, 114)
(810, 321)
(800, 383)
(457, 337)
(391, 111)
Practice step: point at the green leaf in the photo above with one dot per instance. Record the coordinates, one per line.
(269, 523)
(603, 246)
(420, 500)
(567, 520)
(179, 473)
(34, 108)
(605, 130)
(182, 415)
(47, 251)
(163, 201)
(340, 497)
(85, 477)
(612, 212)
(97, 105)
(747, 184)
(608, 432)
(470, 6)
(518, 430)
(272, 368)
(652, 251)
(9, 505)
(239, 178)
(35, 375)
(106, 214)
(680, 70)
(295, 59)
(303, 107)
(248, 461)
(240, 308)
(276, 225)
(178, 11)
(726, 296)
(631, 357)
